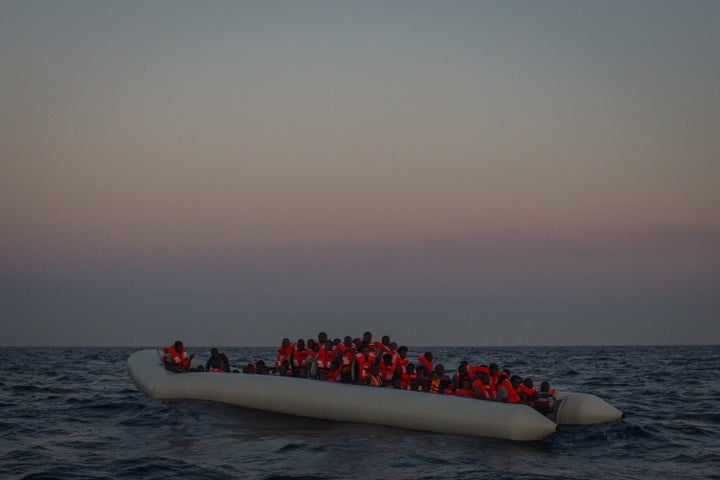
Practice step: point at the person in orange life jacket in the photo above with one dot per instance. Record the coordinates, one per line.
(495, 373)
(372, 378)
(402, 359)
(408, 377)
(474, 371)
(218, 362)
(507, 390)
(423, 369)
(461, 374)
(299, 354)
(545, 399)
(438, 380)
(284, 356)
(384, 344)
(321, 364)
(258, 367)
(334, 372)
(362, 362)
(176, 359)
(346, 355)
(482, 387)
(387, 369)
(526, 390)
(464, 390)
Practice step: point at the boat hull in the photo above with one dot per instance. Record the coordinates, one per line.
(342, 402)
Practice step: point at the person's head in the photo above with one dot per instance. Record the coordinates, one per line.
(328, 345)
(367, 337)
(410, 368)
(440, 369)
(402, 351)
(393, 346)
(300, 344)
(365, 349)
(545, 387)
(322, 337)
(466, 385)
(462, 369)
(385, 340)
(347, 341)
(528, 382)
(311, 343)
(214, 352)
(178, 345)
(485, 378)
(515, 381)
(285, 342)
(387, 359)
(429, 356)
(494, 369)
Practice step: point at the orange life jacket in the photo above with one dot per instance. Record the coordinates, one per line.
(283, 355)
(483, 391)
(428, 364)
(407, 379)
(513, 396)
(387, 372)
(324, 359)
(527, 391)
(474, 372)
(299, 356)
(375, 381)
(364, 363)
(177, 358)
(434, 386)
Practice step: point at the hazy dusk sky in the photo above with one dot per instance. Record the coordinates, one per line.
(438, 170)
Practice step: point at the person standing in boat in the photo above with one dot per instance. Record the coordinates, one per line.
(176, 358)
(218, 362)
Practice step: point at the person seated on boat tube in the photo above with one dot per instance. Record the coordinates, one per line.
(527, 392)
(218, 362)
(438, 381)
(362, 362)
(321, 362)
(507, 390)
(423, 369)
(372, 378)
(464, 390)
(408, 377)
(176, 358)
(346, 356)
(387, 369)
(299, 354)
(483, 388)
(334, 372)
(461, 374)
(282, 362)
(544, 400)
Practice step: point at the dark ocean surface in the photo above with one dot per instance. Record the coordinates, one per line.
(74, 413)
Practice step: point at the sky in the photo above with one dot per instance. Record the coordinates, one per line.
(449, 173)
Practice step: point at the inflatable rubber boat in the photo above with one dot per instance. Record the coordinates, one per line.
(362, 404)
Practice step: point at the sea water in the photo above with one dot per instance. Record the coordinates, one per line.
(74, 413)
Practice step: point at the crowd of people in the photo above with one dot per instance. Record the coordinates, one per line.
(379, 364)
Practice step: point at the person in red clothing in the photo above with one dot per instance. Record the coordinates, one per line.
(282, 362)
(176, 359)
(299, 367)
(483, 387)
(507, 390)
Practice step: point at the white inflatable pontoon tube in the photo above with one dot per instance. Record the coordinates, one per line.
(342, 402)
